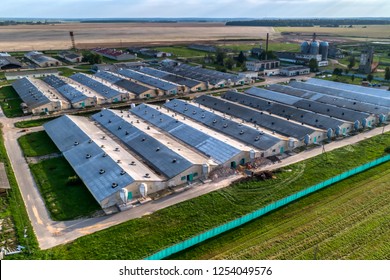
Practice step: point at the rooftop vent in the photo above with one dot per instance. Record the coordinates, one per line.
(101, 146)
(90, 141)
(225, 125)
(257, 138)
(101, 171)
(174, 160)
(123, 172)
(109, 121)
(241, 132)
(118, 161)
(76, 143)
(126, 133)
(143, 139)
(114, 185)
(101, 115)
(103, 137)
(119, 127)
(116, 149)
(132, 163)
(147, 175)
(88, 156)
(158, 149)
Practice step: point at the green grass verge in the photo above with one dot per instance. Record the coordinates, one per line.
(182, 51)
(179, 222)
(37, 144)
(14, 206)
(33, 123)
(10, 102)
(349, 220)
(64, 198)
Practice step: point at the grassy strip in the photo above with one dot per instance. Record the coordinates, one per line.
(349, 220)
(182, 51)
(37, 144)
(178, 222)
(17, 209)
(10, 102)
(33, 123)
(66, 197)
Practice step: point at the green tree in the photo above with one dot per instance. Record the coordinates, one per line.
(352, 62)
(220, 56)
(270, 55)
(92, 58)
(370, 77)
(338, 71)
(241, 58)
(346, 71)
(352, 78)
(313, 65)
(229, 63)
(387, 73)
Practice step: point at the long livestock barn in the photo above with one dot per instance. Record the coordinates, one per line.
(36, 98)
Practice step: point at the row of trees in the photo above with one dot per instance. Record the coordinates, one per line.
(92, 58)
(370, 77)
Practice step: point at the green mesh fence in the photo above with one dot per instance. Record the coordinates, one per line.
(260, 212)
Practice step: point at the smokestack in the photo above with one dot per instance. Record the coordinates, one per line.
(266, 47)
(72, 39)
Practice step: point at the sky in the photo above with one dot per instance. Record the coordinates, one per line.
(193, 8)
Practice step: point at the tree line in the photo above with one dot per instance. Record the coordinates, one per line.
(309, 22)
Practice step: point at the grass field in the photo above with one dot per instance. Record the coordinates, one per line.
(179, 51)
(65, 198)
(33, 123)
(10, 102)
(272, 46)
(370, 31)
(176, 223)
(37, 144)
(349, 220)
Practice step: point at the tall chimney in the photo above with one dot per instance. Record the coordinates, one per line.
(266, 47)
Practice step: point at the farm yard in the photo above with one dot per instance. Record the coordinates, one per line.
(181, 221)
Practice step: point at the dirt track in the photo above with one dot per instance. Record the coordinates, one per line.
(88, 35)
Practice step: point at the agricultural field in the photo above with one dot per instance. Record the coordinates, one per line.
(90, 35)
(66, 197)
(176, 223)
(272, 46)
(10, 102)
(37, 144)
(356, 32)
(349, 220)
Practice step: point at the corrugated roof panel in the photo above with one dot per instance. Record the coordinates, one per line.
(271, 95)
(288, 112)
(342, 93)
(233, 129)
(208, 145)
(160, 157)
(29, 93)
(100, 88)
(267, 121)
(149, 80)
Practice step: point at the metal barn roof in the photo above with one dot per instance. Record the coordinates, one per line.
(169, 77)
(147, 79)
(272, 123)
(100, 88)
(288, 112)
(342, 93)
(233, 129)
(355, 88)
(208, 145)
(321, 108)
(108, 76)
(69, 92)
(130, 86)
(160, 157)
(29, 93)
(76, 145)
